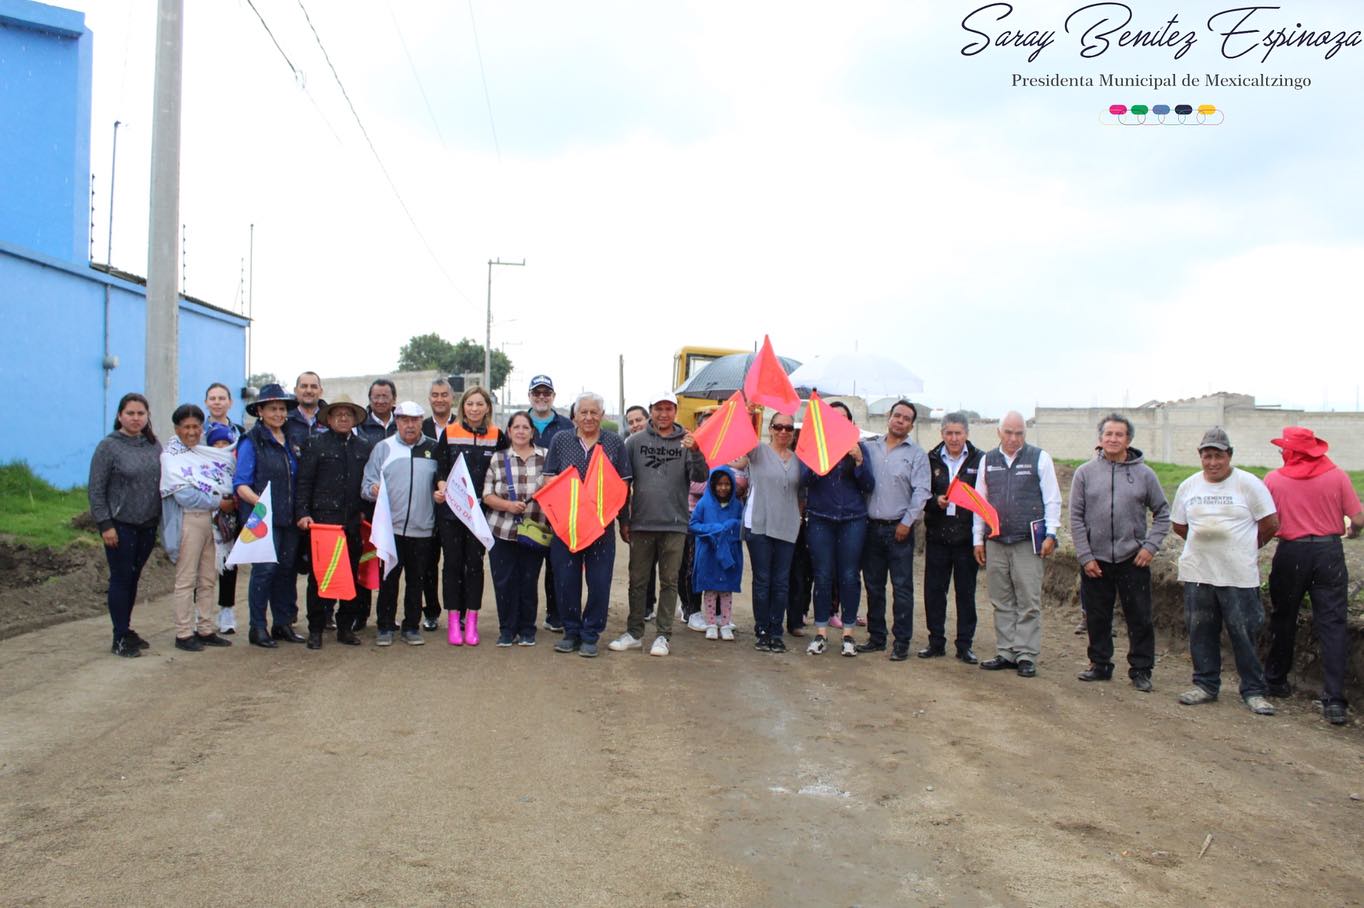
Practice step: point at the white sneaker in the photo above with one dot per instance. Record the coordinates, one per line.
(732, 626)
(727, 632)
(712, 633)
(1259, 705)
(817, 645)
(849, 647)
(697, 622)
(660, 647)
(625, 641)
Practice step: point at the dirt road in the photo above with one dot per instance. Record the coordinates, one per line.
(719, 776)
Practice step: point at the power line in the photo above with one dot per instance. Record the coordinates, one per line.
(413, 66)
(299, 78)
(488, 98)
(379, 160)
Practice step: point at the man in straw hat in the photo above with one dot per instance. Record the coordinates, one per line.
(1315, 501)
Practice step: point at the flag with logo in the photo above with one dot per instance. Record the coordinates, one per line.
(604, 488)
(965, 496)
(460, 497)
(254, 543)
(767, 383)
(825, 436)
(331, 561)
(571, 514)
(728, 433)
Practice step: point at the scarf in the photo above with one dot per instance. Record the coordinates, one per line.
(1297, 465)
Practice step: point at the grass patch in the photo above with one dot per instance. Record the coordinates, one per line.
(1172, 474)
(35, 513)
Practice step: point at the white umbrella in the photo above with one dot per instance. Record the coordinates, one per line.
(857, 374)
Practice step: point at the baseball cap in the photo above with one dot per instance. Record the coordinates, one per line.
(541, 381)
(1216, 437)
(667, 398)
(409, 408)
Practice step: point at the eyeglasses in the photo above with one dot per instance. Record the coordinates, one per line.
(777, 428)
(539, 393)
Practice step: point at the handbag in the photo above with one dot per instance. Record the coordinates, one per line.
(529, 534)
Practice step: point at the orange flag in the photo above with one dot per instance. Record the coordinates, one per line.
(825, 436)
(727, 434)
(965, 496)
(565, 502)
(766, 383)
(603, 487)
(331, 562)
(369, 559)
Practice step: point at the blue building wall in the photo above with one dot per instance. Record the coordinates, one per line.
(45, 71)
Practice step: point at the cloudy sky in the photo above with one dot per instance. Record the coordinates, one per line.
(839, 176)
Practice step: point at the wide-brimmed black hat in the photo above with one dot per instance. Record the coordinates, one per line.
(269, 394)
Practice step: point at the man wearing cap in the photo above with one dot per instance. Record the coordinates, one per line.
(329, 479)
(547, 423)
(407, 463)
(664, 463)
(1225, 516)
(1019, 479)
(1315, 499)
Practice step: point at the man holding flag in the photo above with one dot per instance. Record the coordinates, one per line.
(949, 557)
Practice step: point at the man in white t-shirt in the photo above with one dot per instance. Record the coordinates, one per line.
(1225, 516)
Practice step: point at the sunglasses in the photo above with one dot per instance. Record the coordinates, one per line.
(780, 428)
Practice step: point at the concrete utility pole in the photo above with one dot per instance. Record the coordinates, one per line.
(488, 341)
(163, 303)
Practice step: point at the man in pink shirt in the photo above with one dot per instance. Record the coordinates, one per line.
(1313, 497)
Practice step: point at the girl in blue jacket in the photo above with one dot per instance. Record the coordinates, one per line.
(716, 523)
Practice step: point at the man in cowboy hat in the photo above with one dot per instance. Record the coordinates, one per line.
(1314, 498)
(328, 492)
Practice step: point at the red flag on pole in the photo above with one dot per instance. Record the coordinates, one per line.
(766, 383)
(825, 436)
(965, 496)
(727, 434)
(369, 559)
(604, 488)
(571, 514)
(331, 562)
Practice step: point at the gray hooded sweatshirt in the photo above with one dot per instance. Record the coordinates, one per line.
(1108, 505)
(663, 473)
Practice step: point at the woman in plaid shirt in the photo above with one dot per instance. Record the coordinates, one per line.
(513, 477)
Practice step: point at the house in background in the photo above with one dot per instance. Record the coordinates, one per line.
(72, 333)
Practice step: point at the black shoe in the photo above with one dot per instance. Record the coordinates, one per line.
(1279, 689)
(567, 645)
(430, 625)
(212, 640)
(762, 645)
(347, 637)
(189, 644)
(358, 626)
(136, 640)
(998, 663)
(776, 645)
(1026, 669)
(931, 652)
(1334, 713)
(331, 624)
(125, 648)
(261, 638)
(1142, 681)
(230, 630)
(967, 656)
(286, 633)
(900, 652)
(1096, 673)
(314, 639)
(871, 646)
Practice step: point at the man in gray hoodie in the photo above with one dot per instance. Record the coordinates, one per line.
(1109, 498)
(664, 461)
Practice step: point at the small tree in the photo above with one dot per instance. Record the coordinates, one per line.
(431, 351)
(261, 379)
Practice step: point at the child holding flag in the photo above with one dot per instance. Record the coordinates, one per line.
(716, 523)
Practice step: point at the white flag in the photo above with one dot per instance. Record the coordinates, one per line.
(256, 542)
(463, 502)
(381, 529)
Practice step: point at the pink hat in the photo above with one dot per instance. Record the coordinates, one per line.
(1304, 441)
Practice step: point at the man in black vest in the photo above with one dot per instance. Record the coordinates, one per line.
(1019, 480)
(949, 556)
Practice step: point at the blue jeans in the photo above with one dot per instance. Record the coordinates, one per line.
(275, 583)
(135, 546)
(836, 555)
(771, 561)
(584, 622)
(1206, 609)
(516, 574)
(882, 555)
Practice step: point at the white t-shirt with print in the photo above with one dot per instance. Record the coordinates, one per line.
(1222, 518)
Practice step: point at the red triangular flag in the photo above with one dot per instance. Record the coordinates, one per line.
(965, 496)
(825, 436)
(766, 382)
(564, 501)
(605, 490)
(331, 561)
(728, 434)
(369, 559)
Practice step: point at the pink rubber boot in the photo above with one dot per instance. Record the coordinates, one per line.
(471, 628)
(456, 636)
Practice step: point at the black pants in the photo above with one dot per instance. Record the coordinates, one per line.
(430, 589)
(950, 564)
(552, 616)
(413, 555)
(689, 598)
(1131, 584)
(800, 591)
(319, 609)
(227, 588)
(1316, 569)
(463, 578)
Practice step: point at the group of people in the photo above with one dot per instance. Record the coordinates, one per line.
(811, 539)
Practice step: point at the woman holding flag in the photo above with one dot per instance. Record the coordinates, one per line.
(771, 526)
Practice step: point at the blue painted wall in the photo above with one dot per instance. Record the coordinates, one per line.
(45, 72)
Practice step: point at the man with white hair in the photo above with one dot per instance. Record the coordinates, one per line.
(1019, 480)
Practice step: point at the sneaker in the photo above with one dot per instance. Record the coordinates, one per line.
(1195, 696)
(1259, 705)
(762, 645)
(413, 637)
(523, 640)
(189, 644)
(567, 645)
(1334, 713)
(776, 645)
(712, 633)
(697, 622)
(505, 639)
(383, 638)
(660, 647)
(625, 641)
(125, 648)
(430, 625)
(649, 616)
(732, 626)
(817, 646)
(551, 626)
(588, 650)
(727, 633)
(136, 640)
(1142, 682)
(849, 646)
